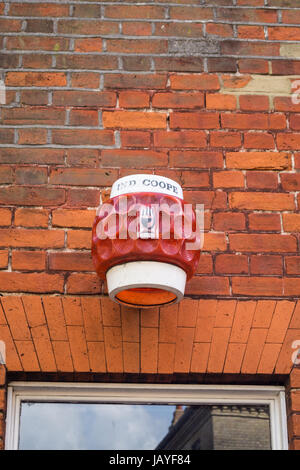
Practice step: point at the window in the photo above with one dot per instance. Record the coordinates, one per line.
(144, 416)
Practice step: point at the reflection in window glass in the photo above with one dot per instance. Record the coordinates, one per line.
(79, 426)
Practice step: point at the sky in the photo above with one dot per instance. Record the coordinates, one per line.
(73, 426)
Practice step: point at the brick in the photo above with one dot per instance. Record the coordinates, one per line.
(32, 136)
(194, 179)
(78, 348)
(265, 264)
(36, 97)
(193, 159)
(62, 354)
(257, 286)
(282, 103)
(291, 222)
(96, 352)
(254, 350)
(39, 26)
(28, 260)
(137, 46)
(258, 160)
(265, 222)
(28, 355)
(254, 103)
(5, 217)
(234, 358)
(133, 28)
(49, 79)
(23, 238)
(84, 117)
(291, 16)
(83, 157)
(133, 11)
(72, 310)
(218, 350)
(83, 27)
(200, 356)
(228, 179)
(223, 221)
(290, 182)
(79, 283)
(205, 320)
(149, 350)
(86, 62)
(82, 136)
(34, 311)
(32, 196)
(211, 200)
(261, 140)
(16, 318)
(134, 120)
(29, 217)
(208, 285)
(252, 121)
(219, 101)
(183, 350)
(133, 158)
(292, 265)
(85, 80)
(251, 32)
(130, 324)
(168, 324)
(38, 9)
(142, 81)
(284, 33)
(247, 48)
(70, 262)
(88, 11)
(83, 177)
(34, 115)
(84, 98)
(73, 218)
(263, 313)
(219, 29)
(231, 264)
(113, 349)
(135, 139)
(138, 63)
(166, 354)
(295, 122)
(205, 265)
(225, 139)
(179, 29)
(180, 139)
(253, 66)
(133, 99)
(261, 201)
(194, 120)
(191, 13)
(178, 64)
(31, 176)
(288, 141)
(10, 26)
(247, 15)
(187, 313)
(78, 239)
(3, 259)
(262, 243)
(214, 242)
(203, 82)
(12, 358)
(31, 282)
(178, 100)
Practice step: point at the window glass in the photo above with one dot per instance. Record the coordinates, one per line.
(90, 426)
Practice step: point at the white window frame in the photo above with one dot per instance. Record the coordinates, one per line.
(274, 396)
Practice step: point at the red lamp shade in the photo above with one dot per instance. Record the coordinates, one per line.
(140, 241)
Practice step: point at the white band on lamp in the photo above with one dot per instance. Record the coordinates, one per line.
(146, 274)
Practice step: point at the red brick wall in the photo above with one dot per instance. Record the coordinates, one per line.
(200, 91)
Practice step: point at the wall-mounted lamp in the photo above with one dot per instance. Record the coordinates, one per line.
(146, 241)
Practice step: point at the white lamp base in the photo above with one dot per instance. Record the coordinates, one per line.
(161, 283)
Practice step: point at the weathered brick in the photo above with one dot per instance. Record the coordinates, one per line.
(261, 201)
(83, 177)
(134, 120)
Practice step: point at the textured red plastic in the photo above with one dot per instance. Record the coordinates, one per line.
(110, 252)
